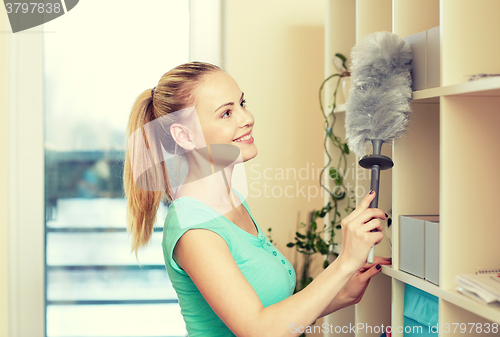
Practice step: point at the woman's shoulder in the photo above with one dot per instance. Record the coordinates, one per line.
(187, 212)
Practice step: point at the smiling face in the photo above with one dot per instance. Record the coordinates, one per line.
(224, 119)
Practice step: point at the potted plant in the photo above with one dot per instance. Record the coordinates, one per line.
(316, 238)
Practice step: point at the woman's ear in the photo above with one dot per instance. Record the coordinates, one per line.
(182, 136)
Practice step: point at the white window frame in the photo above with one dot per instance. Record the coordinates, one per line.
(25, 158)
(25, 183)
(206, 31)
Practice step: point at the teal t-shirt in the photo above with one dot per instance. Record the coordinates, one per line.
(265, 268)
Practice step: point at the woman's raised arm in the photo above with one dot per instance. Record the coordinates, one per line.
(206, 258)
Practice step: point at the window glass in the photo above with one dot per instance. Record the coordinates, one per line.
(121, 320)
(98, 58)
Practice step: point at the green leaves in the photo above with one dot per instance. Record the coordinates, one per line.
(312, 241)
(269, 235)
(309, 241)
(306, 282)
(346, 148)
(343, 58)
(313, 226)
(322, 247)
(335, 175)
(340, 196)
(299, 235)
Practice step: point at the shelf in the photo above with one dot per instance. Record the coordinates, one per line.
(412, 280)
(340, 108)
(484, 87)
(490, 311)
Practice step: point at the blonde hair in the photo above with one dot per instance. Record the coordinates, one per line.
(175, 91)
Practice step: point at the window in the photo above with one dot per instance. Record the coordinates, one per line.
(69, 88)
(96, 60)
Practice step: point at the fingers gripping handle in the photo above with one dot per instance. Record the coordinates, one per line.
(374, 185)
(375, 162)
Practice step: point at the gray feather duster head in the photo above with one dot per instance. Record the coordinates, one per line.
(379, 99)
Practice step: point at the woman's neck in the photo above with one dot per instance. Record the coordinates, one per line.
(209, 183)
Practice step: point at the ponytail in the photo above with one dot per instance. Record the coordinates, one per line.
(142, 205)
(173, 93)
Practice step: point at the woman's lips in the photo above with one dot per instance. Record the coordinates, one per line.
(248, 139)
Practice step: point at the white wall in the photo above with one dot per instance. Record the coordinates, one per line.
(275, 51)
(3, 179)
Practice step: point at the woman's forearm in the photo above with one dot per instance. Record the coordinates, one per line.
(334, 305)
(304, 307)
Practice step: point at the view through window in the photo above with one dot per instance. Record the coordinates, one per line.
(94, 69)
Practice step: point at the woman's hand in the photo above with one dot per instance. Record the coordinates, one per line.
(355, 288)
(357, 236)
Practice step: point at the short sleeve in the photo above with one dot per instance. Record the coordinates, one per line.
(185, 215)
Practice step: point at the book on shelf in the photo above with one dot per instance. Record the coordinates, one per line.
(483, 286)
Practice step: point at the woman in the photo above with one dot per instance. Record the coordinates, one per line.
(228, 277)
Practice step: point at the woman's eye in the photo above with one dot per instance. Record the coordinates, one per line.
(226, 114)
(243, 104)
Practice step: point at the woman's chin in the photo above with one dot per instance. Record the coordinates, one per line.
(250, 154)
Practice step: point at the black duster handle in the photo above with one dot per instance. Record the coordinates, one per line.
(375, 162)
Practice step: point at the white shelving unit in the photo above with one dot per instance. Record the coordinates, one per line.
(448, 161)
(340, 108)
(491, 312)
(484, 87)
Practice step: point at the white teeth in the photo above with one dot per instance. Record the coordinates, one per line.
(243, 138)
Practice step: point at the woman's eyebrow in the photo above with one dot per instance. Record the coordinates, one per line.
(230, 103)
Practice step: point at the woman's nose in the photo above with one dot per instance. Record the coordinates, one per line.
(246, 118)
